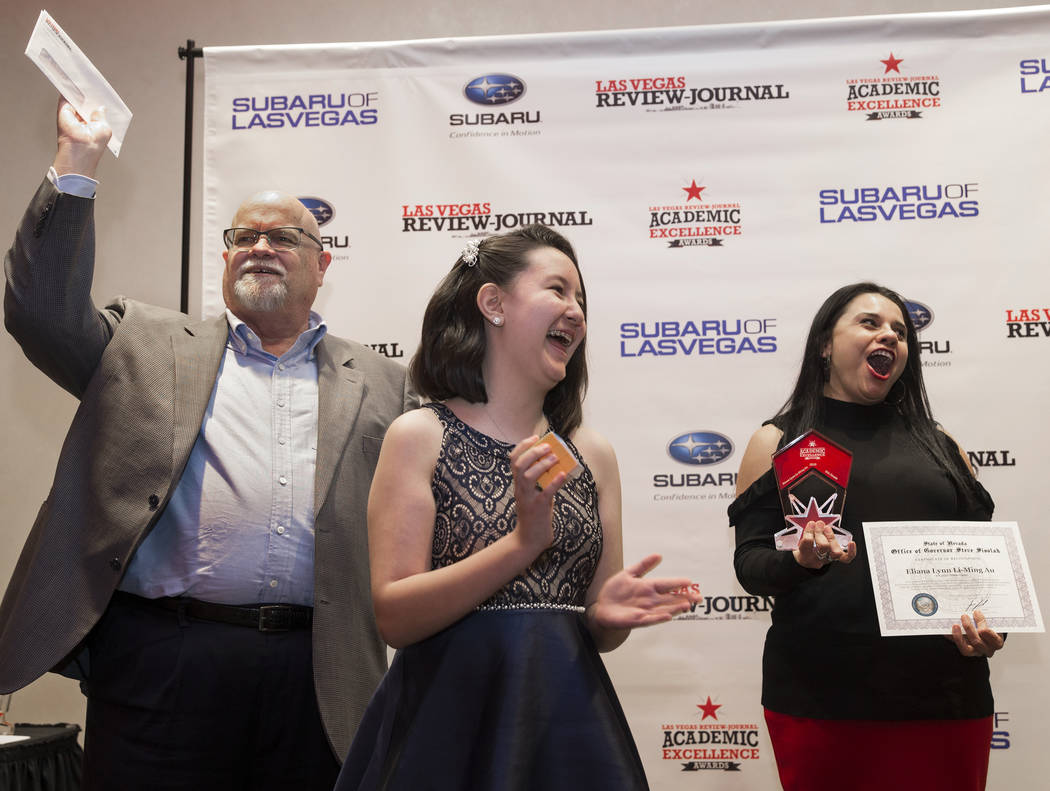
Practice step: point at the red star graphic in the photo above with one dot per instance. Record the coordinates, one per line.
(694, 191)
(709, 709)
(812, 514)
(892, 64)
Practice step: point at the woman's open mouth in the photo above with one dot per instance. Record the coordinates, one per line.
(880, 362)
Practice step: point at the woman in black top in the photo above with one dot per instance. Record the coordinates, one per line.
(911, 711)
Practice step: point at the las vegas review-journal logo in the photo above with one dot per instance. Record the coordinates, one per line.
(656, 94)
(295, 111)
(922, 318)
(393, 350)
(896, 202)
(493, 91)
(730, 607)
(480, 218)
(710, 741)
(699, 224)
(324, 212)
(893, 93)
(1028, 322)
(701, 449)
(1034, 74)
(991, 458)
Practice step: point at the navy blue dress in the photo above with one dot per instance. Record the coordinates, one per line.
(514, 695)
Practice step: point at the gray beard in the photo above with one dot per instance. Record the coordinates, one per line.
(257, 297)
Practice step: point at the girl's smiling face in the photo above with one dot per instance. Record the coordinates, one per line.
(543, 310)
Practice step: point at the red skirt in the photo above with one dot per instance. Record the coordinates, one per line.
(902, 755)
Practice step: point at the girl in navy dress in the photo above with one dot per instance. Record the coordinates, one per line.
(497, 589)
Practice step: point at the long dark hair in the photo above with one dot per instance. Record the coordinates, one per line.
(804, 409)
(449, 360)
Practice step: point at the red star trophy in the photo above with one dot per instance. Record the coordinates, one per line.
(812, 475)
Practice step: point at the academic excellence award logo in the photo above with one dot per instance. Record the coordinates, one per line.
(710, 741)
(893, 93)
(695, 224)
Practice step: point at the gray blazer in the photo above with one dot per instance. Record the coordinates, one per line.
(144, 376)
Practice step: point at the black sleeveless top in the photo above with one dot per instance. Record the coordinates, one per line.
(824, 657)
(514, 696)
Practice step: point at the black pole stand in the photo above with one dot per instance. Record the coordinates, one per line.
(188, 53)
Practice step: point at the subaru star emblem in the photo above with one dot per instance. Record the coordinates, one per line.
(700, 447)
(921, 316)
(493, 89)
(322, 210)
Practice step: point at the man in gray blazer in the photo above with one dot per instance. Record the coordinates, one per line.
(201, 560)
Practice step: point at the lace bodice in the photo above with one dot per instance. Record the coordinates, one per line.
(474, 494)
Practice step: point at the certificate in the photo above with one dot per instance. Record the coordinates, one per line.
(927, 574)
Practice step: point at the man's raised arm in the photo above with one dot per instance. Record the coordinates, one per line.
(49, 268)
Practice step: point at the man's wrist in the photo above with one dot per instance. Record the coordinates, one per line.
(77, 158)
(73, 183)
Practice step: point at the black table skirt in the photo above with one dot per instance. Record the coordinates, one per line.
(49, 760)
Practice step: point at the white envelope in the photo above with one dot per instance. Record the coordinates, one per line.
(76, 78)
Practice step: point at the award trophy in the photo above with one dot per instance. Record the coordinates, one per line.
(812, 474)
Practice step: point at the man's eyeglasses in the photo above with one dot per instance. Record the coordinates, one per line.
(285, 238)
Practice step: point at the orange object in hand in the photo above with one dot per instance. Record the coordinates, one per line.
(567, 462)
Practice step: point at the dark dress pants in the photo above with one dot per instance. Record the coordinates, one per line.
(180, 703)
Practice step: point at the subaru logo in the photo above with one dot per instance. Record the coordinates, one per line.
(921, 316)
(493, 89)
(700, 447)
(322, 210)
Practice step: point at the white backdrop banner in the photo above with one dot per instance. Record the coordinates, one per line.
(718, 183)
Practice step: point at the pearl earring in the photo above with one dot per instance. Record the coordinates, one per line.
(497, 320)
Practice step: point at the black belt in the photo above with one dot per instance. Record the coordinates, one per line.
(264, 617)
